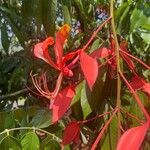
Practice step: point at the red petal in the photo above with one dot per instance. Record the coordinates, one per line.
(71, 133)
(133, 138)
(101, 53)
(61, 36)
(89, 67)
(70, 56)
(41, 51)
(62, 103)
(59, 47)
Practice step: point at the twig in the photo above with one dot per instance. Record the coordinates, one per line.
(141, 62)
(14, 94)
(22, 91)
(34, 129)
(103, 130)
(95, 33)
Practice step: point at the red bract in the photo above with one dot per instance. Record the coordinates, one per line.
(89, 67)
(71, 133)
(62, 103)
(133, 138)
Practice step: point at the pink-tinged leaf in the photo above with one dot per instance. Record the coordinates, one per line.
(101, 53)
(136, 83)
(89, 67)
(133, 138)
(41, 51)
(128, 61)
(146, 88)
(62, 103)
(123, 47)
(71, 133)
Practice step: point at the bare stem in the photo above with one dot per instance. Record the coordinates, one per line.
(118, 101)
(96, 117)
(95, 33)
(34, 129)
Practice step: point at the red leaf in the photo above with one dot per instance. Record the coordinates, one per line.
(136, 83)
(89, 67)
(62, 103)
(71, 133)
(101, 53)
(41, 51)
(146, 88)
(133, 138)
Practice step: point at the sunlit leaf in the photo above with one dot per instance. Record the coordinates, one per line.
(133, 138)
(86, 109)
(30, 141)
(9, 142)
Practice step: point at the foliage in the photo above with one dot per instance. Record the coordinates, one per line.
(70, 98)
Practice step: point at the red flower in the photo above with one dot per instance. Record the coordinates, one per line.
(41, 50)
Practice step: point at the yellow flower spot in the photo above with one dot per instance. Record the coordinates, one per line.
(64, 30)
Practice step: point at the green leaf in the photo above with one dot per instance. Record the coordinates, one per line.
(96, 44)
(144, 34)
(110, 137)
(5, 38)
(77, 93)
(49, 16)
(66, 13)
(41, 119)
(84, 102)
(10, 143)
(52, 145)
(8, 64)
(9, 121)
(30, 141)
(140, 17)
(123, 24)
